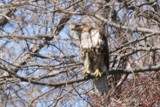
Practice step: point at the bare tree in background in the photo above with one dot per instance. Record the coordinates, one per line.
(40, 64)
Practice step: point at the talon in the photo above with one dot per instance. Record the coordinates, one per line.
(97, 73)
(86, 71)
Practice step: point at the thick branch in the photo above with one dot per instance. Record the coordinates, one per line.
(131, 29)
(119, 26)
(8, 13)
(132, 42)
(144, 69)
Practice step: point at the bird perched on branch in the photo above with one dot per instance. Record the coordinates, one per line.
(95, 54)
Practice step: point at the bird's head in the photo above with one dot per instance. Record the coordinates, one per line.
(80, 27)
(77, 27)
(76, 31)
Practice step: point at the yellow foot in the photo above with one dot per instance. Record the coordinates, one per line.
(97, 73)
(86, 71)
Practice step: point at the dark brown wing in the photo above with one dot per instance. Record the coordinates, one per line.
(105, 49)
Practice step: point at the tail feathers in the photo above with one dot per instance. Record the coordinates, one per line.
(101, 86)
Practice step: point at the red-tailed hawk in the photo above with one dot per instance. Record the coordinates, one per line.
(95, 54)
